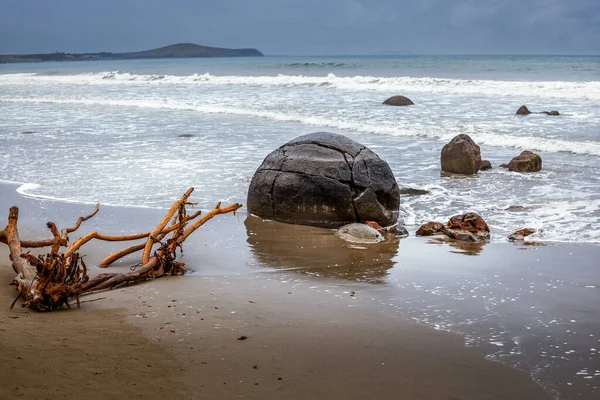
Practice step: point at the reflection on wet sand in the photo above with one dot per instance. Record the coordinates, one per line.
(466, 248)
(318, 252)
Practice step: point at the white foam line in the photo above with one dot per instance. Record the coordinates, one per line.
(587, 90)
(22, 190)
(489, 139)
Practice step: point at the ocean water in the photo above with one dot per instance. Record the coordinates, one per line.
(139, 133)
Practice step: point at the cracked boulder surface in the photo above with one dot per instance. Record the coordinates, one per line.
(327, 180)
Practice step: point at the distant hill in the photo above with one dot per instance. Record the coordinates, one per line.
(181, 50)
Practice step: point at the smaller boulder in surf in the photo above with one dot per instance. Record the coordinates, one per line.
(485, 165)
(461, 156)
(521, 234)
(527, 161)
(551, 112)
(408, 191)
(461, 236)
(470, 222)
(523, 110)
(431, 228)
(399, 101)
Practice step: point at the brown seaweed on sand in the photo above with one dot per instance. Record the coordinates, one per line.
(50, 281)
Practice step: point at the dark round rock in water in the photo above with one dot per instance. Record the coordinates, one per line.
(485, 165)
(461, 156)
(399, 101)
(551, 112)
(527, 161)
(324, 179)
(523, 110)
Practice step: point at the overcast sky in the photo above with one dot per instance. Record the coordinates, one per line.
(305, 27)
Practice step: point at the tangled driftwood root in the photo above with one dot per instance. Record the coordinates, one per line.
(50, 281)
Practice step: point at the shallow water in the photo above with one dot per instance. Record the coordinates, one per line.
(140, 132)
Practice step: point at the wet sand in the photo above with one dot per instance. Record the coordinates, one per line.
(88, 353)
(179, 338)
(308, 336)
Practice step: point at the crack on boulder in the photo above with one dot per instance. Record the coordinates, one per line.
(351, 186)
(272, 194)
(328, 147)
(303, 174)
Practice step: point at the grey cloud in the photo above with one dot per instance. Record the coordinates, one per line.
(304, 27)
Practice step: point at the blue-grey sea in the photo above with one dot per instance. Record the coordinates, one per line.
(136, 132)
(139, 133)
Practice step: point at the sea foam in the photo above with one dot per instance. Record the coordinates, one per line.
(341, 123)
(540, 89)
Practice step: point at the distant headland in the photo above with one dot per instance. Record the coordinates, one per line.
(180, 50)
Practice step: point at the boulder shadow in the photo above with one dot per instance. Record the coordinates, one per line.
(318, 251)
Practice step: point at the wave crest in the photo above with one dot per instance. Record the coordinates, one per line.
(541, 89)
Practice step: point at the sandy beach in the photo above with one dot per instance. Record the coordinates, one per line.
(307, 336)
(178, 338)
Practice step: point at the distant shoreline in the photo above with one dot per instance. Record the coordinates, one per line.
(180, 50)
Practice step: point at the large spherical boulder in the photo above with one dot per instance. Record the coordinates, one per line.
(399, 101)
(461, 156)
(527, 161)
(324, 179)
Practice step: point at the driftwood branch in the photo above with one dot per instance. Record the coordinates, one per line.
(178, 205)
(122, 253)
(61, 238)
(47, 282)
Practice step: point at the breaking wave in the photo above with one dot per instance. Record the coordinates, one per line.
(381, 128)
(541, 89)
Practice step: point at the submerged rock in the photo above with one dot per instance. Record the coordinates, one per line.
(523, 110)
(324, 179)
(359, 233)
(399, 101)
(430, 228)
(527, 161)
(394, 230)
(485, 165)
(521, 234)
(414, 192)
(461, 156)
(397, 231)
(461, 236)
